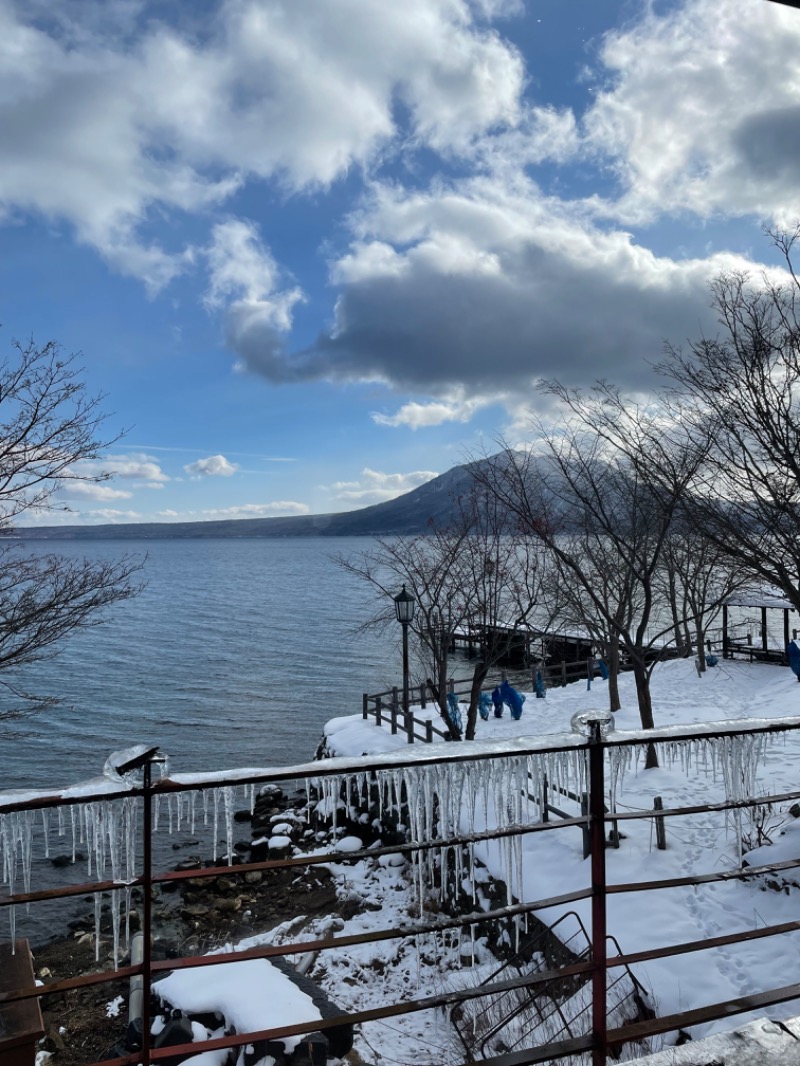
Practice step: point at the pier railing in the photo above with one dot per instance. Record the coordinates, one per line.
(353, 777)
(385, 707)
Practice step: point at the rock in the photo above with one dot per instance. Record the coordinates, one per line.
(242, 816)
(228, 906)
(253, 877)
(191, 862)
(195, 910)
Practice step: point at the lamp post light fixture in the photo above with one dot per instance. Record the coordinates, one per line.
(404, 605)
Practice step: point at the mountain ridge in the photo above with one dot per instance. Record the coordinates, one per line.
(409, 514)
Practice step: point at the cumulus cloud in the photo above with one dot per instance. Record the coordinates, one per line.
(93, 491)
(213, 466)
(485, 286)
(701, 111)
(110, 116)
(137, 466)
(376, 486)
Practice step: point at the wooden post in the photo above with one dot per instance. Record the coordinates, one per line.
(764, 631)
(365, 707)
(724, 631)
(785, 634)
(429, 732)
(394, 719)
(377, 710)
(409, 726)
(423, 695)
(661, 832)
(563, 672)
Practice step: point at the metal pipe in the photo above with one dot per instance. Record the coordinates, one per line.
(598, 847)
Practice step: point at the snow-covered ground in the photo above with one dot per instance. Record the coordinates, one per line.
(553, 862)
(361, 977)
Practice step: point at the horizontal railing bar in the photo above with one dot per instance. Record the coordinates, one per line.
(424, 755)
(726, 1009)
(702, 879)
(302, 947)
(71, 890)
(544, 1053)
(704, 808)
(707, 944)
(236, 869)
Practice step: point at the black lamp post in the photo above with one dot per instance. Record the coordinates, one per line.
(404, 604)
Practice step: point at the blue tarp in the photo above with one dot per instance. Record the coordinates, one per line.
(453, 711)
(793, 652)
(539, 686)
(497, 700)
(485, 706)
(514, 700)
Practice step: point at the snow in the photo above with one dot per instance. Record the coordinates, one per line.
(251, 994)
(492, 794)
(692, 772)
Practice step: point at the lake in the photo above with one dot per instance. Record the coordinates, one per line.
(235, 654)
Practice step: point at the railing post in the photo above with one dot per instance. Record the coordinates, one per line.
(428, 731)
(661, 833)
(393, 713)
(545, 804)
(147, 907)
(365, 706)
(423, 695)
(377, 710)
(563, 672)
(598, 844)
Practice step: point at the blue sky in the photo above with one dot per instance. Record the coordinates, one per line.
(316, 252)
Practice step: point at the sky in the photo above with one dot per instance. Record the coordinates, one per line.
(315, 253)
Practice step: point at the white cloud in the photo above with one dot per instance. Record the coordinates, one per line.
(255, 510)
(93, 491)
(424, 415)
(483, 286)
(701, 111)
(110, 118)
(376, 486)
(213, 466)
(137, 466)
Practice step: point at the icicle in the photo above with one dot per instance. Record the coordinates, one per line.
(98, 903)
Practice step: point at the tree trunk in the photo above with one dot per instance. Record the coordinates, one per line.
(614, 702)
(478, 678)
(700, 638)
(645, 708)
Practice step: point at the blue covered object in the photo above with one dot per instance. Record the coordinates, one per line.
(514, 700)
(497, 700)
(793, 652)
(454, 711)
(485, 706)
(539, 686)
(603, 669)
(711, 660)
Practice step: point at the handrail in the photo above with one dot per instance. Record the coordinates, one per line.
(594, 818)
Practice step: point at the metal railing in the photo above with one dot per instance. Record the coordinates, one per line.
(350, 775)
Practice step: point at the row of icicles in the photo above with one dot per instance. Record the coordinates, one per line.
(432, 802)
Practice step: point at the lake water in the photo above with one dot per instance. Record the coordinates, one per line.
(235, 654)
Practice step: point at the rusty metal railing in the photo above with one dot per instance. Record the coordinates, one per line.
(598, 1041)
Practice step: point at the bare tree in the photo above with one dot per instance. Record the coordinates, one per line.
(741, 389)
(695, 578)
(601, 493)
(49, 430)
(473, 575)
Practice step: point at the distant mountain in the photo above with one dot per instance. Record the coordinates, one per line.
(407, 514)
